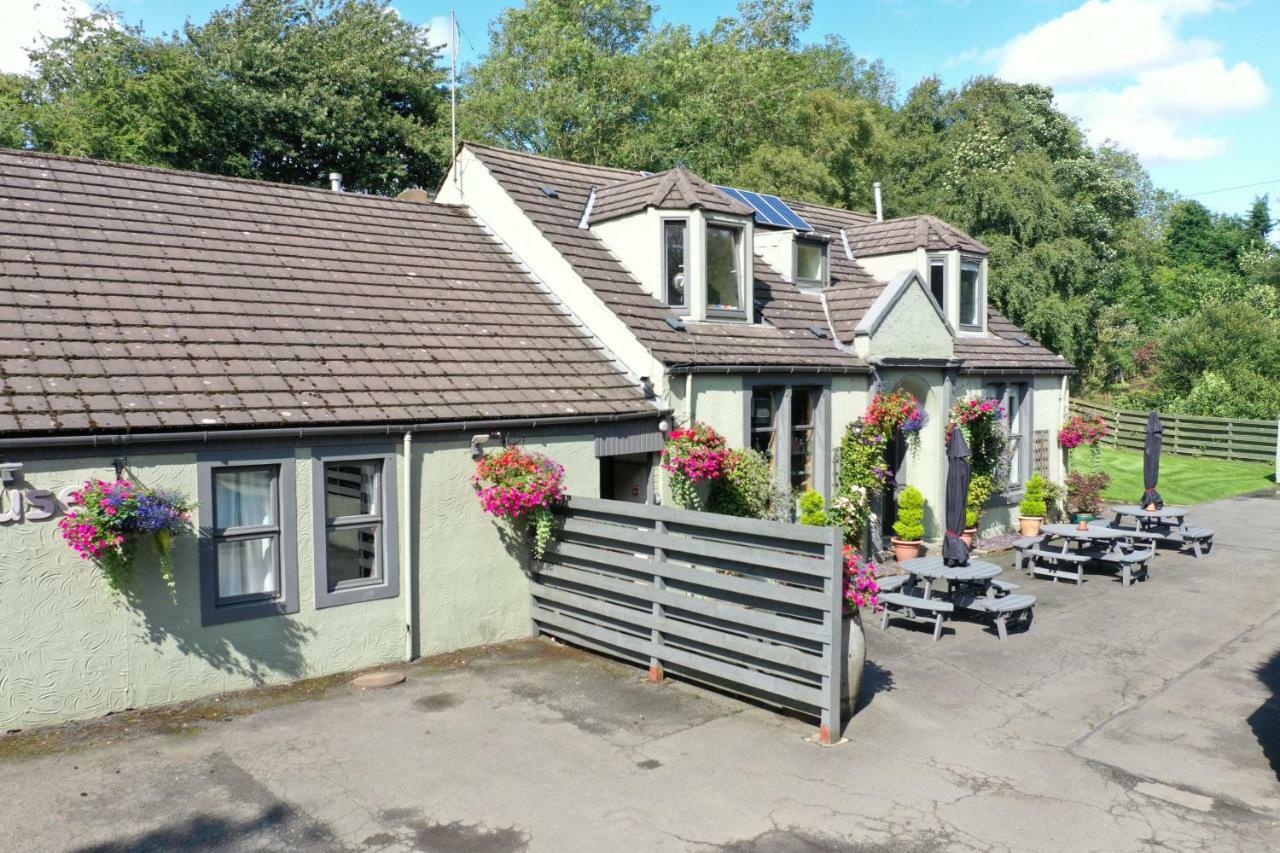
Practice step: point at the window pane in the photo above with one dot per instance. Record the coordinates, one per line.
(937, 283)
(802, 416)
(673, 239)
(969, 295)
(352, 554)
(762, 438)
(809, 261)
(244, 497)
(723, 282)
(247, 567)
(351, 488)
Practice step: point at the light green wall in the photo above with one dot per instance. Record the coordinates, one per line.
(69, 651)
(912, 329)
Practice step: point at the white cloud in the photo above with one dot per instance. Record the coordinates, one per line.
(27, 23)
(439, 31)
(1101, 39)
(1123, 68)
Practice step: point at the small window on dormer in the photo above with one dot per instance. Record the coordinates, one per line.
(938, 281)
(970, 294)
(675, 252)
(724, 268)
(811, 263)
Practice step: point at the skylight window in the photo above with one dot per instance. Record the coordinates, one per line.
(811, 263)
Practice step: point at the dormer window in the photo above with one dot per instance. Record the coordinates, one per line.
(971, 294)
(811, 263)
(724, 269)
(675, 254)
(938, 281)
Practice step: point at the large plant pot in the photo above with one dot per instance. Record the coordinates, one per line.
(904, 550)
(968, 536)
(1030, 524)
(853, 662)
(1083, 519)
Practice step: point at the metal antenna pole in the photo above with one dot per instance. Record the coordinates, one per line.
(453, 90)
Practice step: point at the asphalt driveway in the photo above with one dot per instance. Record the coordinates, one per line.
(1130, 719)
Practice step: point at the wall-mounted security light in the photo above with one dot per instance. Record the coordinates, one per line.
(479, 441)
(664, 426)
(9, 471)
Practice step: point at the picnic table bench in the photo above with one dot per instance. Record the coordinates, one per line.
(972, 587)
(1166, 525)
(1102, 544)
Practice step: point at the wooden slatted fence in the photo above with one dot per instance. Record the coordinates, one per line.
(1217, 438)
(750, 607)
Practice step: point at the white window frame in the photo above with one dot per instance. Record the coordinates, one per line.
(740, 245)
(387, 582)
(215, 610)
(824, 275)
(662, 249)
(979, 295)
(941, 262)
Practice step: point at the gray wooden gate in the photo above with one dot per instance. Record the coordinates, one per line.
(750, 607)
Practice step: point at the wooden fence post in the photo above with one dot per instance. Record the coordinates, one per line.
(656, 673)
(832, 715)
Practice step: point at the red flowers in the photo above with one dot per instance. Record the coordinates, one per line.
(861, 588)
(517, 483)
(697, 452)
(889, 413)
(1080, 430)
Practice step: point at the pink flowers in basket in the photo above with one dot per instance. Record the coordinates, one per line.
(1082, 431)
(861, 588)
(519, 483)
(697, 453)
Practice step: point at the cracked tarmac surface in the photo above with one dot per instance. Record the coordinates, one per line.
(1129, 719)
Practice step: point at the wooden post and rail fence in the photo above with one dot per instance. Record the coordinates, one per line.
(750, 607)
(1234, 439)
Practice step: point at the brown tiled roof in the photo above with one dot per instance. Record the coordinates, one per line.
(1007, 349)
(145, 299)
(910, 233)
(782, 340)
(674, 188)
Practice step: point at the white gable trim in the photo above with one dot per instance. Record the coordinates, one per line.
(889, 298)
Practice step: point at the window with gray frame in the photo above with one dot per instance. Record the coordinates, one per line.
(1015, 397)
(789, 425)
(248, 544)
(354, 509)
(724, 269)
(970, 294)
(811, 263)
(938, 282)
(675, 252)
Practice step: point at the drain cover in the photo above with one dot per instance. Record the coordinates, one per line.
(373, 680)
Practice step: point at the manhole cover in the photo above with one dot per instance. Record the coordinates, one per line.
(373, 680)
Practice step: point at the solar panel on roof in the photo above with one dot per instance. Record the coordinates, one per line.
(770, 210)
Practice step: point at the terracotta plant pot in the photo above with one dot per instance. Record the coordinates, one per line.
(903, 550)
(855, 659)
(1083, 519)
(968, 536)
(1030, 524)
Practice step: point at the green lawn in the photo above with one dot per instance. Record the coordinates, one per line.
(1183, 479)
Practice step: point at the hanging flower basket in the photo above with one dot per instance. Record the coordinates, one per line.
(694, 454)
(519, 484)
(111, 518)
(897, 412)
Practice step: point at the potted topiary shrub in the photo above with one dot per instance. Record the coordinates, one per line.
(813, 509)
(980, 488)
(909, 542)
(1033, 507)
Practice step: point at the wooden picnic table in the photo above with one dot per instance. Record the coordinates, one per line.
(1166, 525)
(1172, 515)
(1099, 543)
(973, 586)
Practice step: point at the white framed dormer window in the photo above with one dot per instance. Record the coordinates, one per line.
(811, 263)
(938, 281)
(972, 298)
(675, 258)
(724, 270)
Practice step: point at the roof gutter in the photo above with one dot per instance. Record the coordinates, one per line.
(764, 368)
(303, 432)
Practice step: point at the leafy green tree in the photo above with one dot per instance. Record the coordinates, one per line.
(13, 132)
(1259, 222)
(284, 90)
(1218, 338)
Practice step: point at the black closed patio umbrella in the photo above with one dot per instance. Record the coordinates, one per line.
(1151, 461)
(954, 551)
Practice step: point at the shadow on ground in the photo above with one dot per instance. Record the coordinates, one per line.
(277, 826)
(1265, 722)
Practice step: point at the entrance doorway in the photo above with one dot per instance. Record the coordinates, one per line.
(627, 478)
(895, 457)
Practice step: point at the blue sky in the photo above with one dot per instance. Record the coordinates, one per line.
(1189, 85)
